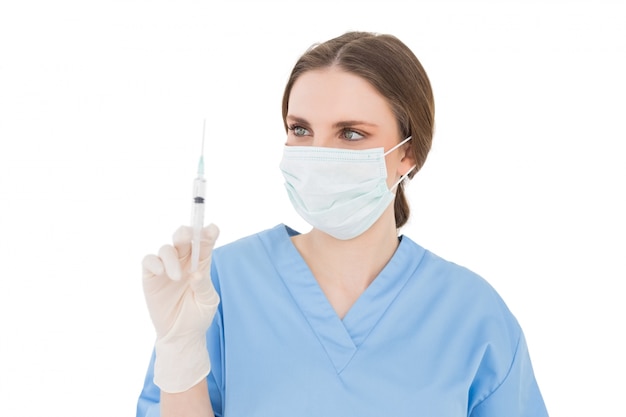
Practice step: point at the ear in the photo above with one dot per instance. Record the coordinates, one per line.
(408, 158)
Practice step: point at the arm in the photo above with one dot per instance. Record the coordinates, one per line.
(182, 306)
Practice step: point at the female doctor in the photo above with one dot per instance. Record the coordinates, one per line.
(351, 318)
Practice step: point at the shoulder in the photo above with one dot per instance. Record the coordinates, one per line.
(239, 264)
(443, 272)
(474, 315)
(465, 295)
(255, 254)
(252, 243)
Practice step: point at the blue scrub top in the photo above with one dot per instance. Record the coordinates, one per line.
(426, 338)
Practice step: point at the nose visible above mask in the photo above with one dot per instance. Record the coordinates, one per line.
(341, 192)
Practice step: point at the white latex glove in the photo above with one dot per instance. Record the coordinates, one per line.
(181, 306)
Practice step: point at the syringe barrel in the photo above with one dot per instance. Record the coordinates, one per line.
(197, 208)
(199, 189)
(197, 219)
(197, 216)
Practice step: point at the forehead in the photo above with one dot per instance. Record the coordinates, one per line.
(331, 94)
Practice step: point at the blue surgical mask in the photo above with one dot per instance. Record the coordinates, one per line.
(341, 192)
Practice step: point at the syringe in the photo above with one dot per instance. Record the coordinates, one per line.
(197, 208)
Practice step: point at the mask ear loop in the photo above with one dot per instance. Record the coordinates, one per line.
(398, 145)
(403, 177)
(406, 174)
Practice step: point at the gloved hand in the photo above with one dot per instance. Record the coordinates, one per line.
(181, 306)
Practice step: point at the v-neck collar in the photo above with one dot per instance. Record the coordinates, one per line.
(340, 338)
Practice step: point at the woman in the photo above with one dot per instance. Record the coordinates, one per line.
(349, 318)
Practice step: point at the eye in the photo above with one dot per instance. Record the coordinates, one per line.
(349, 134)
(299, 130)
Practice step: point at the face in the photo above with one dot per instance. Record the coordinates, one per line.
(333, 108)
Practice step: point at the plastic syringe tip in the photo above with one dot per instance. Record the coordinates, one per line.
(201, 166)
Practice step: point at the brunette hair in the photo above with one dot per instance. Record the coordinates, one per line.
(392, 68)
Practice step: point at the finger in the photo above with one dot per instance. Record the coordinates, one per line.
(203, 289)
(182, 240)
(152, 266)
(169, 257)
(209, 236)
(210, 233)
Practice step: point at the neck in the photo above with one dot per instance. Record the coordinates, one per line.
(351, 263)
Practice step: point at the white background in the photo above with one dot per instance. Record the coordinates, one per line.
(101, 109)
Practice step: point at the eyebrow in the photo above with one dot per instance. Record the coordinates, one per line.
(338, 125)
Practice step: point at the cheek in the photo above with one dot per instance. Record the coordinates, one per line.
(392, 170)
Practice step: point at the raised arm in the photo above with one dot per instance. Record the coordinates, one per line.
(182, 306)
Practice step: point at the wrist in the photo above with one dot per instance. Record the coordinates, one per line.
(181, 364)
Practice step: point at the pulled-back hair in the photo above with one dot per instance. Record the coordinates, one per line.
(392, 68)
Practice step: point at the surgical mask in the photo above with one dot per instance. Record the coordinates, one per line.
(341, 192)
